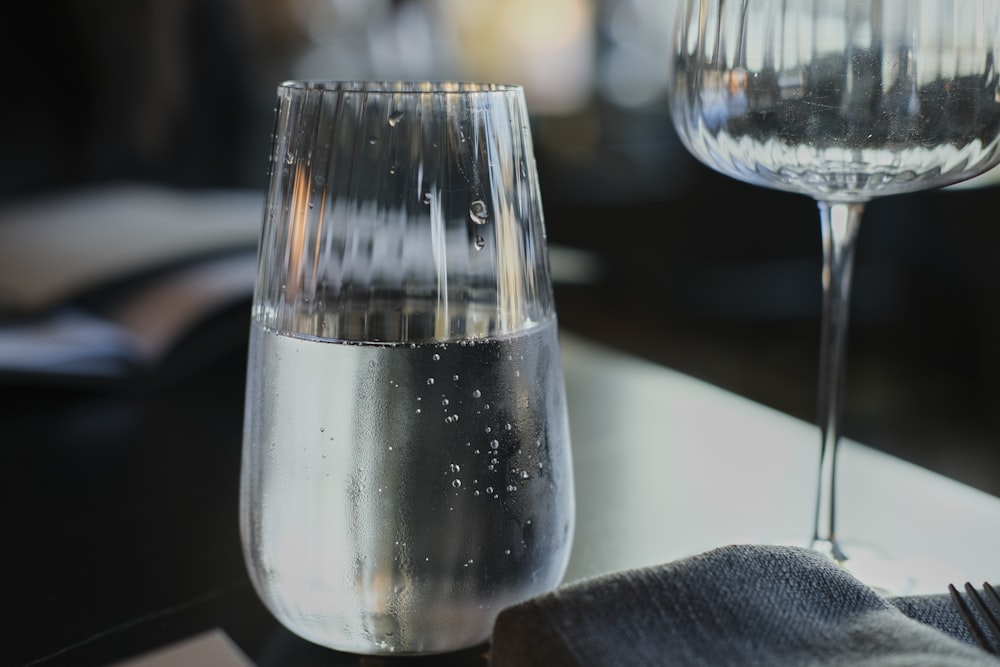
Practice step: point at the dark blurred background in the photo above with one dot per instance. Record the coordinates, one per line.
(679, 265)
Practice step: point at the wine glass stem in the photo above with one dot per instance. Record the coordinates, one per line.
(839, 222)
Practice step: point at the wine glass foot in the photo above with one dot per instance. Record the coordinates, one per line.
(884, 573)
(879, 570)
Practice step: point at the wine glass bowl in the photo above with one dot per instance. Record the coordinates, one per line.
(839, 100)
(843, 101)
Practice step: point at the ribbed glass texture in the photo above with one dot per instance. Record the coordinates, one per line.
(839, 99)
(402, 212)
(406, 469)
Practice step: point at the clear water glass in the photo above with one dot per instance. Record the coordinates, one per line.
(406, 458)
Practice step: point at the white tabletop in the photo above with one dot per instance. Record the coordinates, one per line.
(668, 466)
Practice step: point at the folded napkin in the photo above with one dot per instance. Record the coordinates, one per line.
(738, 605)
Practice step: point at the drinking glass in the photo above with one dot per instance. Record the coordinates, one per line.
(406, 465)
(843, 101)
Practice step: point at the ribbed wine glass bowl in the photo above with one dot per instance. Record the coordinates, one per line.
(839, 100)
(843, 101)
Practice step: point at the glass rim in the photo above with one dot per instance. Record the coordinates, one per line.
(401, 87)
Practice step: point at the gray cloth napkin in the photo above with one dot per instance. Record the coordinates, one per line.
(738, 605)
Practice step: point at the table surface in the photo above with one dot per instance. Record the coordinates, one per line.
(121, 505)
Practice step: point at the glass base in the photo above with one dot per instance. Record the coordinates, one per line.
(887, 574)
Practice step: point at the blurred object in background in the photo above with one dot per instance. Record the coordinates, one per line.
(108, 91)
(545, 46)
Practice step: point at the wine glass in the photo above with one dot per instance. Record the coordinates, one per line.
(406, 467)
(843, 101)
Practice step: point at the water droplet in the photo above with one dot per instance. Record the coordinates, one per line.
(480, 242)
(478, 213)
(430, 381)
(476, 393)
(436, 357)
(494, 444)
(456, 483)
(322, 429)
(394, 118)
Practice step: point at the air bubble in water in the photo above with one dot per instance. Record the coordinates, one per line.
(456, 483)
(430, 381)
(436, 357)
(372, 140)
(525, 475)
(428, 197)
(455, 467)
(480, 242)
(289, 158)
(394, 118)
(476, 393)
(478, 213)
(494, 444)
